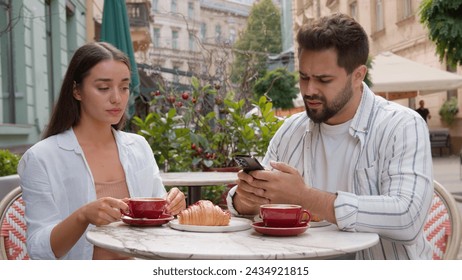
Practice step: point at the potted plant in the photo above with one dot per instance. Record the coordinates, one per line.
(449, 111)
(186, 137)
(197, 130)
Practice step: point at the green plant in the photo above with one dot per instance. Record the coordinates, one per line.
(280, 85)
(449, 111)
(198, 130)
(444, 23)
(170, 127)
(8, 163)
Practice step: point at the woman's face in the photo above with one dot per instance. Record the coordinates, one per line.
(104, 93)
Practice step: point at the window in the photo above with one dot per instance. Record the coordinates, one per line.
(174, 6)
(7, 72)
(191, 41)
(155, 4)
(174, 39)
(203, 31)
(379, 22)
(156, 39)
(190, 9)
(232, 35)
(353, 7)
(217, 33)
(404, 9)
(407, 8)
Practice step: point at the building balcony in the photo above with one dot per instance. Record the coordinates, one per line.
(140, 20)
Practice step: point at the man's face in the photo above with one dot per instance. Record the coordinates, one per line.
(326, 88)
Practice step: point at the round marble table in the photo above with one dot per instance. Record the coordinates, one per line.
(163, 242)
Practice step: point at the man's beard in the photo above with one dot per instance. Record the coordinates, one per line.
(328, 110)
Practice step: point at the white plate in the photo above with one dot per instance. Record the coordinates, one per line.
(235, 224)
(322, 223)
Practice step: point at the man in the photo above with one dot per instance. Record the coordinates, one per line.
(353, 158)
(424, 112)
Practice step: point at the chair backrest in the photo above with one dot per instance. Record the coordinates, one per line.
(13, 227)
(443, 225)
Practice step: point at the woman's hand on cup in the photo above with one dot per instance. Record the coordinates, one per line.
(103, 211)
(176, 201)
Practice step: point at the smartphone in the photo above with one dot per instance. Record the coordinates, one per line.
(248, 163)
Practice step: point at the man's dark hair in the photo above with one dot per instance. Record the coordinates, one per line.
(339, 32)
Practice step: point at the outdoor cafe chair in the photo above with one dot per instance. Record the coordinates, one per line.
(443, 225)
(13, 227)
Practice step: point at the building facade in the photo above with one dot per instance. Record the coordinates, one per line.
(174, 39)
(193, 38)
(37, 39)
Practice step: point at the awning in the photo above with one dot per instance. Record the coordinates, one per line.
(393, 73)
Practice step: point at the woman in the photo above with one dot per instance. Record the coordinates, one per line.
(79, 174)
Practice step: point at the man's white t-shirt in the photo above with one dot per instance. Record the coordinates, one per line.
(332, 156)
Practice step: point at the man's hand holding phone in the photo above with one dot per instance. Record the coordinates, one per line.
(250, 196)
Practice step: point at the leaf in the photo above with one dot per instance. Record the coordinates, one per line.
(171, 113)
(208, 162)
(196, 161)
(195, 83)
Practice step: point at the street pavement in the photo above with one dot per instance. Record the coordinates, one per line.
(447, 171)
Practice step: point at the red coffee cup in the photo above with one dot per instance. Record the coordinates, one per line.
(284, 215)
(145, 207)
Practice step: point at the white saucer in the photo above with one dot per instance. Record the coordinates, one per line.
(235, 224)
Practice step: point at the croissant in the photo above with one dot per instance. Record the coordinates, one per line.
(204, 213)
(315, 218)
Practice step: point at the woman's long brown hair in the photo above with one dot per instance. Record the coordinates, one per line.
(66, 112)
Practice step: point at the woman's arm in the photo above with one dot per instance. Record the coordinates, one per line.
(100, 212)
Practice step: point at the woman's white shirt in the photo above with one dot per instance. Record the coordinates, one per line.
(56, 181)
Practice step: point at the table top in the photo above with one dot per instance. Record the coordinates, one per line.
(198, 178)
(164, 242)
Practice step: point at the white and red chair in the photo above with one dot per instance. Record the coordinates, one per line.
(13, 227)
(443, 227)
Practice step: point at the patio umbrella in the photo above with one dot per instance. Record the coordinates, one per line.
(393, 73)
(115, 29)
